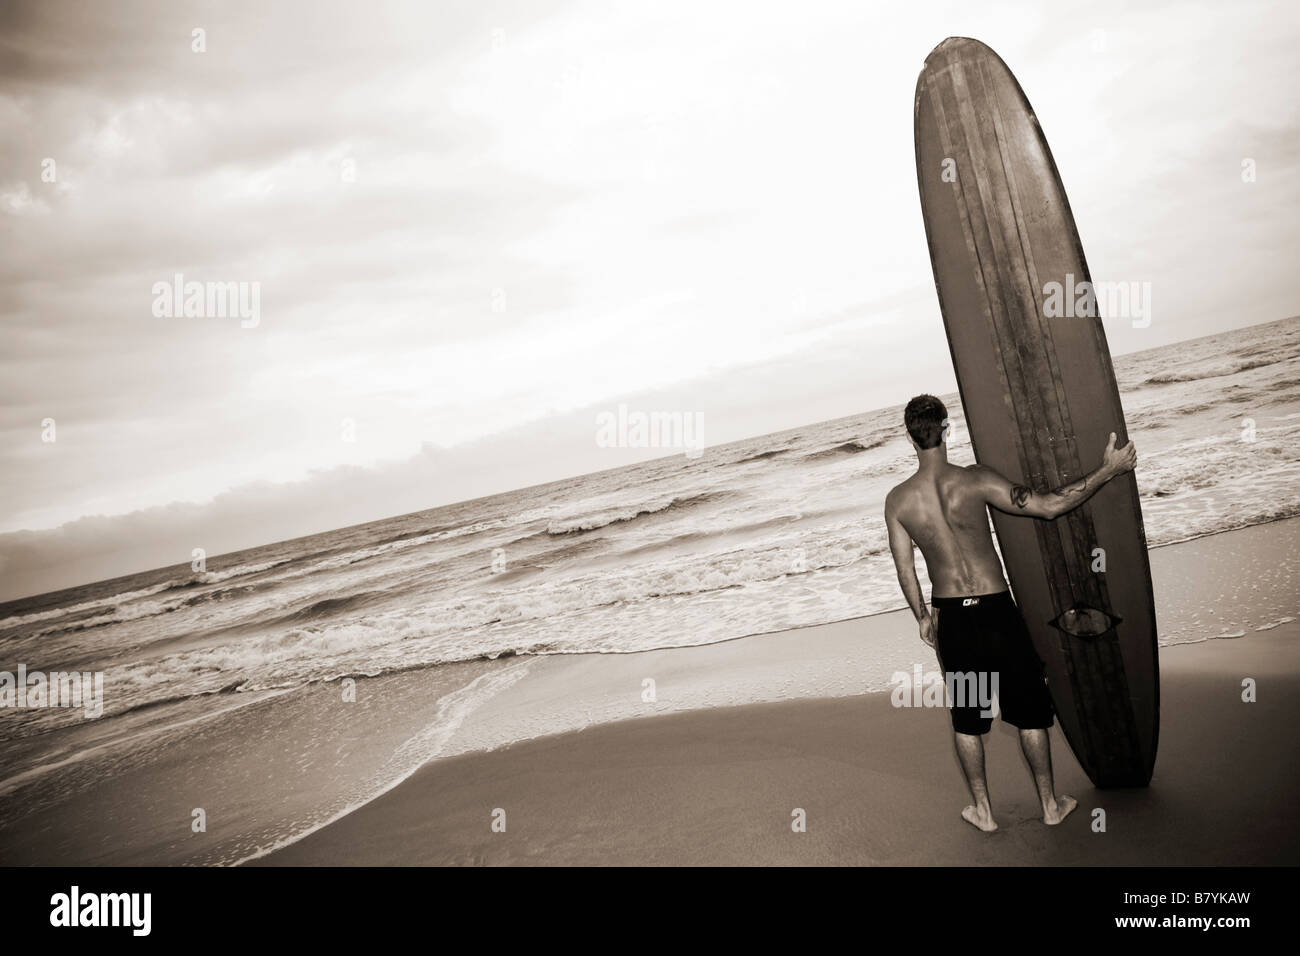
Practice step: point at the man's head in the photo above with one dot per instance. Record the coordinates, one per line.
(925, 418)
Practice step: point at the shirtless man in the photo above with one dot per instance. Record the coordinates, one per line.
(975, 626)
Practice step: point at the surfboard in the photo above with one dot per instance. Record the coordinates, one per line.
(1040, 399)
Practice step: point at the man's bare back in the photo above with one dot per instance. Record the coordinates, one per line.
(944, 510)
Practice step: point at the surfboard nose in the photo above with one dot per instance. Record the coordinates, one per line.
(962, 53)
(957, 48)
(953, 42)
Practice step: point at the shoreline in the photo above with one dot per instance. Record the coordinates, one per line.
(878, 785)
(300, 765)
(1200, 586)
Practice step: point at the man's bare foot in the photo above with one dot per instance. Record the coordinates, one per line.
(1059, 810)
(981, 819)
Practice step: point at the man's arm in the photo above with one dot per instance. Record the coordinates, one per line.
(900, 546)
(1017, 499)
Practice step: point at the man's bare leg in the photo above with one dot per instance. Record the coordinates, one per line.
(970, 751)
(1038, 751)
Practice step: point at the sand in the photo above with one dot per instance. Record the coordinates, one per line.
(876, 784)
(738, 736)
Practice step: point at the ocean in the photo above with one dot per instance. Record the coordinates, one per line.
(762, 534)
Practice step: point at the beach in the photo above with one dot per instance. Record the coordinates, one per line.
(706, 763)
(583, 435)
(527, 434)
(878, 784)
(590, 766)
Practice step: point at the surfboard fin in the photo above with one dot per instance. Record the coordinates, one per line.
(1084, 621)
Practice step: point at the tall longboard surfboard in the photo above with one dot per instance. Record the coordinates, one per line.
(1040, 398)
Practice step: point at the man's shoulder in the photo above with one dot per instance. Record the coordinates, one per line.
(895, 496)
(980, 480)
(900, 494)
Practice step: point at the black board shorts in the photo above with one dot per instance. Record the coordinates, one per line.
(984, 646)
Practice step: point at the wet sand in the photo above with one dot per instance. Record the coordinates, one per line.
(876, 784)
(738, 735)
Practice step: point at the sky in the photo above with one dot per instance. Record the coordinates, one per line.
(475, 227)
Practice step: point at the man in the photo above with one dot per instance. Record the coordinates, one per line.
(975, 626)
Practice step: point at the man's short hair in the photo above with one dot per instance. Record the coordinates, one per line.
(925, 418)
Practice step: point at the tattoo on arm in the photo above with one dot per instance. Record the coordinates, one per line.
(1078, 488)
(1073, 493)
(1057, 502)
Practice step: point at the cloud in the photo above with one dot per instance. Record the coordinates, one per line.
(474, 223)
